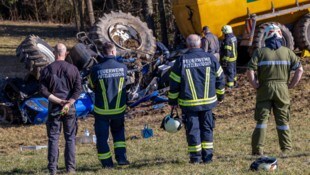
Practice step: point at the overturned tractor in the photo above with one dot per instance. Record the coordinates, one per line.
(135, 46)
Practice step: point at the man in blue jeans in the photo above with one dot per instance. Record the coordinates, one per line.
(61, 84)
(108, 79)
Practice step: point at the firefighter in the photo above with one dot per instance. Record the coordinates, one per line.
(196, 85)
(229, 56)
(273, 65)
(108, 79)
(210, 43)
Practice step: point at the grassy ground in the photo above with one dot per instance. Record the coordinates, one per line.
(164, 153)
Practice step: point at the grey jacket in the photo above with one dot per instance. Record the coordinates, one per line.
(210, 43)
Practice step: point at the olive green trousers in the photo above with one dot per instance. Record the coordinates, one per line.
(272, 96)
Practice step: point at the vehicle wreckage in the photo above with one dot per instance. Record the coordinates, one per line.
(148, 69)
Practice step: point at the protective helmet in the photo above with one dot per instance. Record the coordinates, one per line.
(264, 163)
(171, 124)
(227, 29)
(272, 30)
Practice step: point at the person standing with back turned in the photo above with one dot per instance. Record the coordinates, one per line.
(197, 84)
(273, 64)
(210, 43)
(108, 79)
(61, 84)
(229, 52)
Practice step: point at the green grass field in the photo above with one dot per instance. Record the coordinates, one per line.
(164, 153)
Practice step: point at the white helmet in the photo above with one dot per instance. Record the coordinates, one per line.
(264, 163)
(272, 30)
(171, 124)
(227, 29)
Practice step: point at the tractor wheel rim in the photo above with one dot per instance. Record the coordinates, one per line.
(125, 37)
(49, 54)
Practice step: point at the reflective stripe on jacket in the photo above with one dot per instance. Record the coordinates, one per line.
(196, 79)
(108, 79)
(229, 48)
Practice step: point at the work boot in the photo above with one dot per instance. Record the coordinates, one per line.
(207, 159)
(71, 172)
(285, 153)
(123, 162)
(195, 161)
(108, 163)
(236, 85)
(107, 166)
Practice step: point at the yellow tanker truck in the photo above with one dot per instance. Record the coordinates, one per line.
(248, 19)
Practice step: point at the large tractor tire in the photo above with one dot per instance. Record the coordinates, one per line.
(131, 36)
(35, 53)
(258, 40)
(302, 32)
(6, 116)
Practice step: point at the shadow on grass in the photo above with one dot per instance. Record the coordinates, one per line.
(23, 171)
(151, 162)
(17, 171)
(42, 31)
(16, 125)
(133, 165)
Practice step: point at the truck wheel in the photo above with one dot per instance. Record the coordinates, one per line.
(258, 41)
(128, 33)
(302, 32)
(35, 53)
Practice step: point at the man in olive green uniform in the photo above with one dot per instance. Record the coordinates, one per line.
(273, 64)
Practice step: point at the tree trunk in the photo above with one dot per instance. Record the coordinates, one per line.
(81, 13)
(90, 12)
(148, 12)
(76, 14)
(47, 8)
(36, 12)
(163, 24)
(112, 4)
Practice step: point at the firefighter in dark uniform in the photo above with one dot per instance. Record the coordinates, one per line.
(273, 64)
(108, 79)
(61, 84)
(229, 56)
(196, 85)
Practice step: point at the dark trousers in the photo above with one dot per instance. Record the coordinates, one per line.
(102, 127)
(199, 132)
(54, 125)
(231, 73)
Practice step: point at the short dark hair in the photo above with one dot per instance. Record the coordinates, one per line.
(107, 47)
(205, 28)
